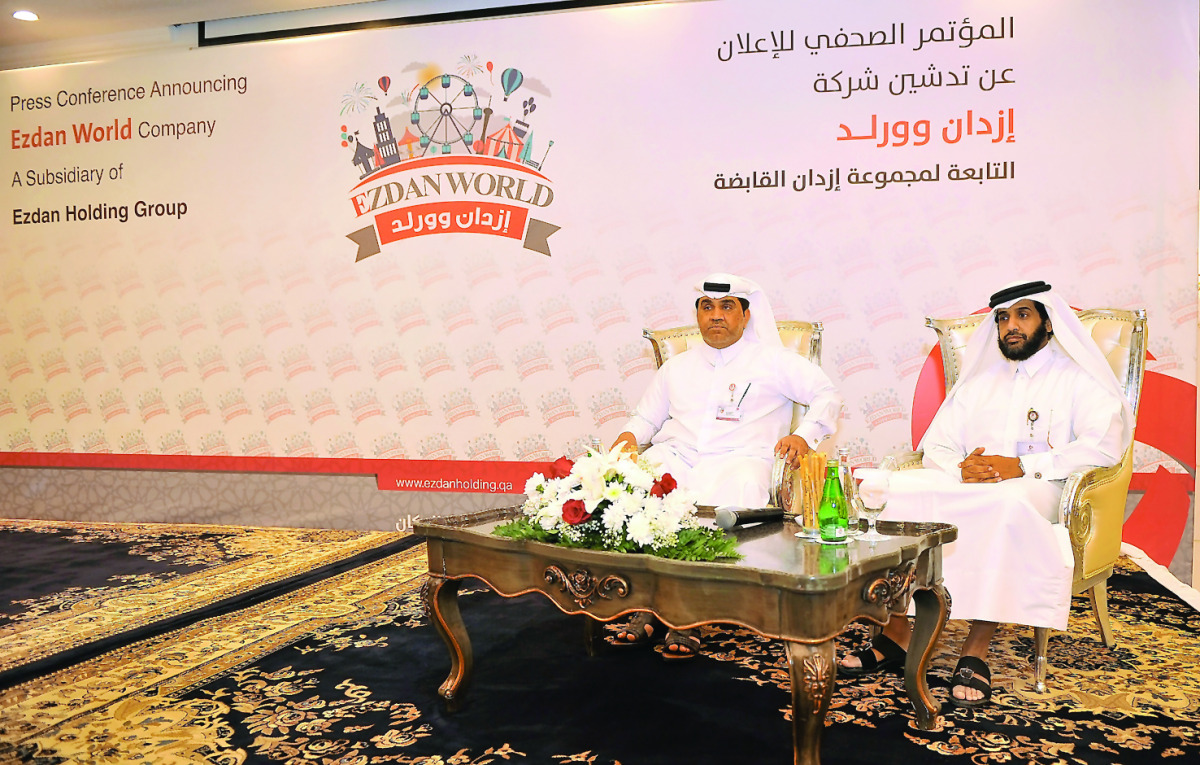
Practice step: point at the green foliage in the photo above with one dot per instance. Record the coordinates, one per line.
(521, 528)
(702, 544)
(690, 544)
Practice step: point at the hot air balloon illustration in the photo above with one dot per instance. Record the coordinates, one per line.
(385, 82)
(510, 80)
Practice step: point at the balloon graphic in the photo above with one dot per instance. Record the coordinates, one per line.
(385, 82)
(489, 68)
(510, 80)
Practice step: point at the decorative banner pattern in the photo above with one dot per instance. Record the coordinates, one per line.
(426, 244)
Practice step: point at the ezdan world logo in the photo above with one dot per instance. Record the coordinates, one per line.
(448, 154)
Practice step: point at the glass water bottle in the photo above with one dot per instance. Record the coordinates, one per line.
(831, 515)
(849, 491)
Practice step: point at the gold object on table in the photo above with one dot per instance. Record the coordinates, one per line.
(809, 481)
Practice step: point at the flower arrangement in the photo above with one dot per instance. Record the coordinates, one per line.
(614, 501)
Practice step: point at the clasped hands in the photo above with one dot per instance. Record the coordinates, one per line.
(978, 467)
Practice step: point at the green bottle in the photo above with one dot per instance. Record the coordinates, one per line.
(832, 517)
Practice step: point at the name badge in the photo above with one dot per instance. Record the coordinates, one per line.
(729, 413)
(1032, 446)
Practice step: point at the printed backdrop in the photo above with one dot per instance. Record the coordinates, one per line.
(439, 244)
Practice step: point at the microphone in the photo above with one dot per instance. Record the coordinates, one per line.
(728, 517)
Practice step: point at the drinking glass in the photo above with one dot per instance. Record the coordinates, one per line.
(854, 510)
(873, 489)
(805, 490)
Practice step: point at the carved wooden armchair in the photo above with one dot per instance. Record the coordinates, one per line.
(1093, 500)
(803, 337)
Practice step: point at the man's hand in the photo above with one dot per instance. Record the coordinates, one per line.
(978, 467)
(792, 448)
(627, 442)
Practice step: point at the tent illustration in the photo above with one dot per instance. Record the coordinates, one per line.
(504, 143)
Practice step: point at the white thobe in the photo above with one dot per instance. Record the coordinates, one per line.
(1012, 561)
(713, 417)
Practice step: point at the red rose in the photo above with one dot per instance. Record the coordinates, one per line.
(561, 468)
(575, 512)
(663, 486)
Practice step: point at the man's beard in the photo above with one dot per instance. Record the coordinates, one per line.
(1032, 345)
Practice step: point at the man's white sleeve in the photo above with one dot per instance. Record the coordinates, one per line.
(942, 443)
(1098, 425)
(652, 410)
(806, 383)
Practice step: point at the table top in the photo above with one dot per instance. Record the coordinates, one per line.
(773, 555)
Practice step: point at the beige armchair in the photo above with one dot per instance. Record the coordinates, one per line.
(1093, 501)
(803, 337)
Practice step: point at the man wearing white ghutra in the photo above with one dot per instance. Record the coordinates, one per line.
(1036, 400)
(718, 414)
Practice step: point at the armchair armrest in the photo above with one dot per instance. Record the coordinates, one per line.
(907, 460)
(780, 491)
(1093, 510)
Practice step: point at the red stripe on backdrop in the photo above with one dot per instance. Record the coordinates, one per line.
(490, 477)
(1167, 417)
(1167, 422)
(1157, 524)
(929, 394)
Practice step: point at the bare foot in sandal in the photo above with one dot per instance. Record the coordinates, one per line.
(642, 629)
(888, 651)
(681, 644)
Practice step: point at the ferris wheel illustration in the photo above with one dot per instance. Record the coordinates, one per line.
(445, 111)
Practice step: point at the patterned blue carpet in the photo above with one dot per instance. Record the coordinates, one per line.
(345, 668)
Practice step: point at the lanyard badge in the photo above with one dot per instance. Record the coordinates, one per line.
(732, 412)
(1032, 445)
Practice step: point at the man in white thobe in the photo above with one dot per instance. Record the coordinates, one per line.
(1036, 401)
(718, 414)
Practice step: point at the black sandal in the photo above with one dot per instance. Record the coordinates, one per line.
(688, 641)
(637, 627)
(893, 656)
(967, 674)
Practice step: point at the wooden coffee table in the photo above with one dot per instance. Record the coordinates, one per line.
(802, 593)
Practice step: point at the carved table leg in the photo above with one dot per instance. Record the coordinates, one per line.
(931, 611)
(593, 636)
(441, 605)
(812, 674)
